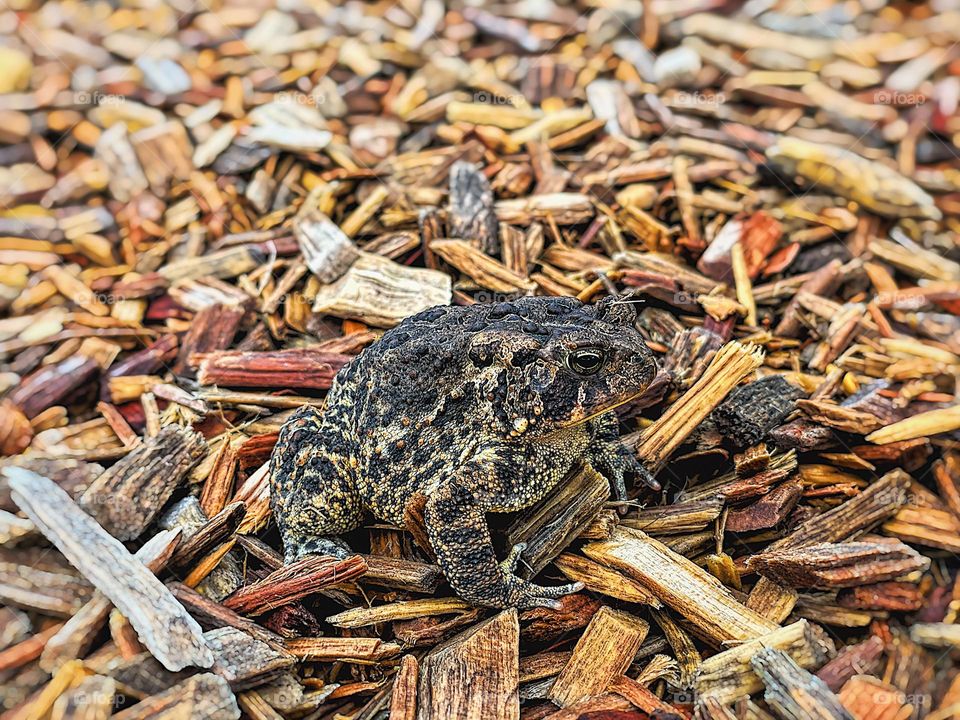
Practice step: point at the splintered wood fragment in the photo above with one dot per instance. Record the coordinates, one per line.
(473, 675)
(208, 564)
(916, 260)
(347, 649)
(56, 591)
(688, 214)
(42, 703)
(600, 527)
(729, 366)
(574, 611)
(14, 529)
(868, 697)
(26, 651)
(383, 571)
(403, 610)
(728, 675)
(305, 577)
(852, 660)
(243, 661)
(741, 276)
(213, 328)
(213, 614)
(287, 282)
(199, 294)
(401, 574)
(946, 473)
(603, 652)
(226, 263)
(688, 658)
(924, 424)
(254, 706)
(643, 699)
(753, 410)
(939, 635)
(563, 208)
(771, 600)
(681, 585)
(601, 579)
(543, 665)
(878, 501)
(307, 367)
(767, 512)
(380, 292)
(355, 221)
(79, 632)
(552, 524)
(680, 517)
(506, 117)
(74, 290)
(470, 213)
(15, 429)
(709, 708)
(600, 706)
(129, 496)
(828, 611)
(123, 635)
(163, 626)
(327, 250)
(792, 692)
(821, 282)
(430, 630)
(240, 398)
(118, 424)
(52, 384)
(219, 483)
(201, 696)
(211, 534)
(840, 417)
(928, 526)
(403, 696)
(89, 699)
(164, 151)
(840, 565)
(481, 268)
(950, 701)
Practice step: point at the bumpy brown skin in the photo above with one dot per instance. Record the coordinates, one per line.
(482, 409)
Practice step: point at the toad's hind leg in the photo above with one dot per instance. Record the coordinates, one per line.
(312, 494)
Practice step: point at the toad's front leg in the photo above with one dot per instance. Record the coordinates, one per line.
(614, 460)
(458, 531)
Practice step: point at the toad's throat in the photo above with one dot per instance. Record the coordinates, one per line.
(603, 411)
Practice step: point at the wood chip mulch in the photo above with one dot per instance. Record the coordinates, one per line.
(206, 210)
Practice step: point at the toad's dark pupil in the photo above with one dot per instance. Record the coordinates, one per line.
(586, 362)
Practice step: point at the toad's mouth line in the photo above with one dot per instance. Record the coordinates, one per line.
(605, 410)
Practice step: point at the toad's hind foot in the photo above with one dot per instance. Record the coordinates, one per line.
(525, 594)
(295, 548)
(312, 493)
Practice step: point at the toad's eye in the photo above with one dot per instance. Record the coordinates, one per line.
(585, 361)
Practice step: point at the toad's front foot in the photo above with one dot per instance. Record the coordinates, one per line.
(510, 590)
(616, 461)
